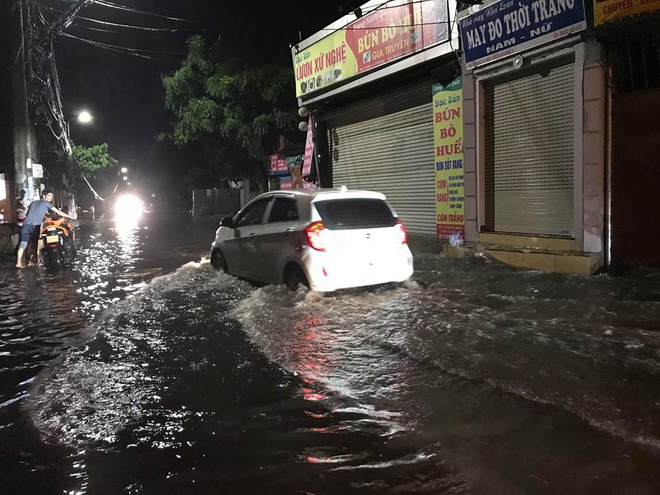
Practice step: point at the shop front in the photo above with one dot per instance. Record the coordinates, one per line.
(534, 102)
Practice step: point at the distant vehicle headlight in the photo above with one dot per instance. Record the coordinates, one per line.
(128, 208)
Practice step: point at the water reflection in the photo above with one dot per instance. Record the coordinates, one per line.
(40, 321)
(126, 230)
(128, 237)
(128, 214)
(343, 369)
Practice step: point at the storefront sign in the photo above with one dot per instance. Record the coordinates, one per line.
(392, 31)
(278, 165)
(609, 10)
(506, 27)
(448, 142)
(285, 183)
(294, 182)
(292, 161)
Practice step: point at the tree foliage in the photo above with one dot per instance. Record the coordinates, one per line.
(94, 162)
(228, 106)
(92, 159)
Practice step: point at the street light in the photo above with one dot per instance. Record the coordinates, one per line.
(84, 117)
(124, 170)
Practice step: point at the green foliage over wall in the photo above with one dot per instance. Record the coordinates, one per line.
(227, 106)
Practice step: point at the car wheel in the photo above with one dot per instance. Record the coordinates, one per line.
(218, 260)
(295, 277)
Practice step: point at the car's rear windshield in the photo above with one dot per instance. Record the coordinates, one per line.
(355, 213)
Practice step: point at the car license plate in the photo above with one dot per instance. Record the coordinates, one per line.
(52, 238)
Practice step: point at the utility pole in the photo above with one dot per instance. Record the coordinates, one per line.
(25, 144)
(23, 38)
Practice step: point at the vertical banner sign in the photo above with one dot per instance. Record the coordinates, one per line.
(309, 149)
(448, 142)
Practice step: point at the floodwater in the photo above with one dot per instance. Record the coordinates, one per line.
(142, 370)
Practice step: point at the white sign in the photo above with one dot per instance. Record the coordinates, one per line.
(37, 171)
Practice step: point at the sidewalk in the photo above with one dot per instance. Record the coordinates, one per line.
(424, 244)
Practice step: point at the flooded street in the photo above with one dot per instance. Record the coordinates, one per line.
(142, 370)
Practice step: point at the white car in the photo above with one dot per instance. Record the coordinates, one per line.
(325, 239)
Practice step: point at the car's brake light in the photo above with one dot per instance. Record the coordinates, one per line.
(313, 232)
(402, 229)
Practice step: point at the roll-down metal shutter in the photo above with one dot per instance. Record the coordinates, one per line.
(392, 154)
(530, 153)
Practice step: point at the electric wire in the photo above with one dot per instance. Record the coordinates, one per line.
(139, 52)
(96, 195)
(143, 28)
(96, 30)
(105, 3)
(67, 18)
(136, 27)
(46, 24)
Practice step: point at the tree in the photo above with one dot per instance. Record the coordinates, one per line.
(92, 164)
(228, 106)
(98, 169)
(93, 159)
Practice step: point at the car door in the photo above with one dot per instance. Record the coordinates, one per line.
(241, 251)
(280, 239)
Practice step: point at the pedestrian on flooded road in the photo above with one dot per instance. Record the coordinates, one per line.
(32, 223)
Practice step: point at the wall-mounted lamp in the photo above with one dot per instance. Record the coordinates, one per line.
(518, 62)
(303, 112)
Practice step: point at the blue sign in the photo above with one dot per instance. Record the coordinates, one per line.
(506, 27)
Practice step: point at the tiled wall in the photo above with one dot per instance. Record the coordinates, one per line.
(594, 133)
(470, 156)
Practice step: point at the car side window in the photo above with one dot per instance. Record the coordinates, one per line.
(253, 214)
(283, 210)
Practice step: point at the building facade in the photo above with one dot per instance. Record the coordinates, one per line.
(533, 136)
(629, 34)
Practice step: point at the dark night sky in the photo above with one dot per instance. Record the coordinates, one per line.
(124, 92)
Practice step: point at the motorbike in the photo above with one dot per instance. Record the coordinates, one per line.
(57, 238)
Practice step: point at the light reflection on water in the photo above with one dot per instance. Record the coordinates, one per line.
(441, 385)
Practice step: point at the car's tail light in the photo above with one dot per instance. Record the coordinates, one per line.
(402, 231)
(313, 232)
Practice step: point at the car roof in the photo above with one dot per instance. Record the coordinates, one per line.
(326, 193)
